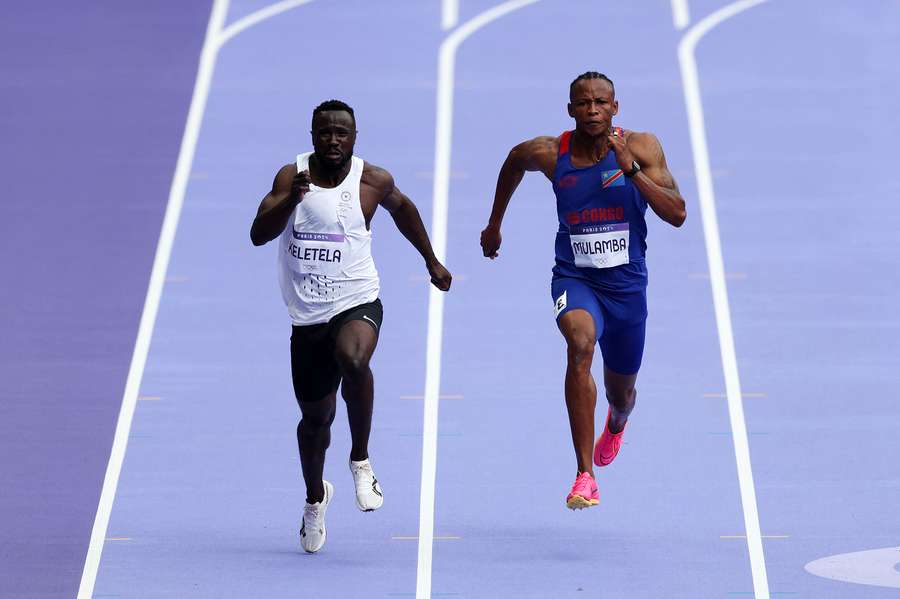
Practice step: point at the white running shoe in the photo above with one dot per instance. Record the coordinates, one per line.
(368, 491)
(312, 531)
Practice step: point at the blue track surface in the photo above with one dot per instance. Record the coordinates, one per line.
(93, 97)
(799, 99)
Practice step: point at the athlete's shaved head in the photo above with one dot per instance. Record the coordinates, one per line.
(590, 75)
(333, 105)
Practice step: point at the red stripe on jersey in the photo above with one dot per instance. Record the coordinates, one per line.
(564, 140)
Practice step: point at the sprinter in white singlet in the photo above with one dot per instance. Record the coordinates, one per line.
(321, 208)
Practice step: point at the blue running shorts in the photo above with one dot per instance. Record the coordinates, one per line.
(620, 319)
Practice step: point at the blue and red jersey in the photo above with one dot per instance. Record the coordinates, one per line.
(600, 211)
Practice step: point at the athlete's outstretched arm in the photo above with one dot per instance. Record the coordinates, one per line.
(538, 154)
(275, 209)
(409, 222)
(654, 179)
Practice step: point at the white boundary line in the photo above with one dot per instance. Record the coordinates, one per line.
(256, 18)
(681, 14)
(151, 303)
(449, 14)
(441, 191)
(706, 195)
(216, 36)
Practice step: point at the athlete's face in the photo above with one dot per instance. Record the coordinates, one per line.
(333, 136)
(593, 104)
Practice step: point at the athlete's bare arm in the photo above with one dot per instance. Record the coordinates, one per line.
(406, 217)
(654, 180)
(275, 209)
(538, 154)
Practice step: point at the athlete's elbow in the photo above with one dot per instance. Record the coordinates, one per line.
(256, 238)
(678, 218)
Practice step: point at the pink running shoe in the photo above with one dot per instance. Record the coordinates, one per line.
(607, 446)
(584, 492)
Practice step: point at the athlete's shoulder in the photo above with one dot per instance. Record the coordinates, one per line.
(284, 177)
(639, 138)
(645, 145)
(537, 149)
(542, 144)
(377, 177)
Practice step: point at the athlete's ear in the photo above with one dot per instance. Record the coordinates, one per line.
(615, 107)
(569, 108)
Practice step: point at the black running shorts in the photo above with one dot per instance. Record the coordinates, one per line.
(314, 368)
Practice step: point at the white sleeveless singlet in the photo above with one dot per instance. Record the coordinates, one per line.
(325, 261)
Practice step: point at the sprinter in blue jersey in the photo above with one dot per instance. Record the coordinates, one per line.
(604, 177)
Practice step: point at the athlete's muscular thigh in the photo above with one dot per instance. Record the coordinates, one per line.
(580, 332)
(355, 344)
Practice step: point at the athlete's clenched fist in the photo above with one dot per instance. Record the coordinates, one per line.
(490, 241)
(623, 155)
(299, 186)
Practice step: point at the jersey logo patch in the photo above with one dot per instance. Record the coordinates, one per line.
(614, 178)
(372, 322)
(567, 182)
(561, 303)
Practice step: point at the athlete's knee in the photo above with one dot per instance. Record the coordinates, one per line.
(353, 363)
(621, 396)
(317, 419)
(580, 349)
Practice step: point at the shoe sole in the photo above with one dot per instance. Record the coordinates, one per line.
(368, 509)
(579, 503)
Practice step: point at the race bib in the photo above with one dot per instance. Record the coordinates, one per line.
(601, 246)
(317, 253)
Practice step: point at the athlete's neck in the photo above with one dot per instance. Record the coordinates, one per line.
(324, 175)
(590, 148)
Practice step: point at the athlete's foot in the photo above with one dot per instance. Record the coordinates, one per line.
(584, 492)
(368, 491)
(312, 531)
(607, 446)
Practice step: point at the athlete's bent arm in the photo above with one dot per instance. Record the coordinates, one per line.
(275, 209)
(654, 180)
(409, 223)
(536, 154)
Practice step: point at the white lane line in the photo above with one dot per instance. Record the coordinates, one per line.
(441, 192)
(151, 302)
(692, 98)
(216, 36)
(449, 14)
(681, 14)
(256, 18)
